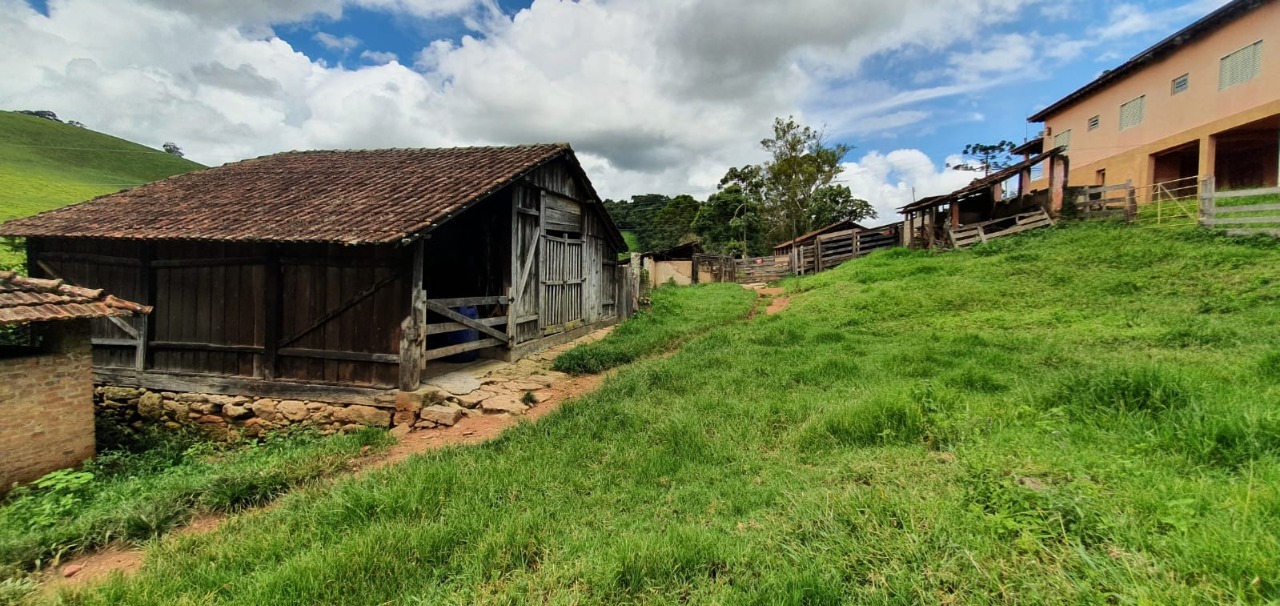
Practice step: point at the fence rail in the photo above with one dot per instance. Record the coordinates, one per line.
(830, 250)
(1241, 212)
(974, 233)
(1108, 201)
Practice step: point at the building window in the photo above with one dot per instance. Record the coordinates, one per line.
(1100, 177)
(1179, 84)
(1241, 66)
(1094, 122)
(1131, 113)
(1062, 139)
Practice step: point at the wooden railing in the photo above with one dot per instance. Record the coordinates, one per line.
(1241, 212)
(490, 336)
(1107, 201)
(974, 233)
(830, 250)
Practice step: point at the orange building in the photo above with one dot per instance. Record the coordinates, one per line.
(1202, 102)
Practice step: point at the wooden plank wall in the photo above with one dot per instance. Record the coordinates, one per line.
(763, 269)
(526, 241)
(215, 302)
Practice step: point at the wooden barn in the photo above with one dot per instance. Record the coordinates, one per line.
(337, 275)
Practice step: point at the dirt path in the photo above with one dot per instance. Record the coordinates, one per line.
(95, 567)
(776, 302)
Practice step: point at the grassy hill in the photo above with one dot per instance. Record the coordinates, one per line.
(46, 164)
(1085, 414)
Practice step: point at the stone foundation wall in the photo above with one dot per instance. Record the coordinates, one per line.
(223, 417)
(46, 406)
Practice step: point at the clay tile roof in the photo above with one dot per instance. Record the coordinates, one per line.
(350, 197)
(25, 299)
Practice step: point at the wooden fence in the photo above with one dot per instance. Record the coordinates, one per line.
(762, 269)
(713, 268)
(974, 233)
(1107, 201)
(830, 250)
(1241, 212)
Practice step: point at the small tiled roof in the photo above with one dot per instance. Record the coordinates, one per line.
(25, 299)
(349, 197)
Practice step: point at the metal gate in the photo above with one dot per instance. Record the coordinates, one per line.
(563, 278)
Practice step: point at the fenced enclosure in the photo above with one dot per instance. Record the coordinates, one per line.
(713, 268)
(1244, 212)
(1105, 201)
(830, 250)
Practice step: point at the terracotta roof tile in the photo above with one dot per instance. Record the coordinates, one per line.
(350, 197)
(25, 299)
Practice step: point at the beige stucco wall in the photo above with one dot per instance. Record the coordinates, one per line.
(1173, 120)
(679, 271)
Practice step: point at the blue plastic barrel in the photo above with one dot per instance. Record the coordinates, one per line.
(468, 335)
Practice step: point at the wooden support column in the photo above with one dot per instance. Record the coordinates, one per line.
(413, 333)
(514, 286)
(147, 285)
(273, 313)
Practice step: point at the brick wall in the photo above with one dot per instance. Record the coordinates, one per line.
(46, 405)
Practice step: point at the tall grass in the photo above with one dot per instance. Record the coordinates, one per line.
(1009, 424)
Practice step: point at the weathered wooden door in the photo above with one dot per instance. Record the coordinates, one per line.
(563, 278)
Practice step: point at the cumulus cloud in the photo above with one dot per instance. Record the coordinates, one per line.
(900, 177)
(658, 96)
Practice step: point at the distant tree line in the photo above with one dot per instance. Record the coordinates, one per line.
(757, 206)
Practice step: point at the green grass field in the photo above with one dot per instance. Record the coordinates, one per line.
(1085, 414)
(45, 165)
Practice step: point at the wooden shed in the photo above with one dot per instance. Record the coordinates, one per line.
(337, 275)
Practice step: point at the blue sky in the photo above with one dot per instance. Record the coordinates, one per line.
(660, 96)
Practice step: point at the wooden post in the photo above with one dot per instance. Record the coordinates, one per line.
(1206, 201)
(513, 271)
(817, 255)
(146, 284)
(1131, 204)
(413, 333)
(273, 312)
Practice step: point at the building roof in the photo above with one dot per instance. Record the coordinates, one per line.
(682, 251)
(1030, 148)
(24, 299)
(1206, 25)
(837, 226)
(347, 197)
(979, 184)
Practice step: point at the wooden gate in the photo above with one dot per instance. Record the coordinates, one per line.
(563, 277)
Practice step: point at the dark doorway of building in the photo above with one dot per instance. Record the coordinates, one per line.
(1248, 156)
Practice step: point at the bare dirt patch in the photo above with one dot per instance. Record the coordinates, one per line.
(777, 305)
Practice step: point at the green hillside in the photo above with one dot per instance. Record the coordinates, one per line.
(1080, 415)
(46, 164)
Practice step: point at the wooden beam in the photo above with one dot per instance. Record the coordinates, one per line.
(351, 356)
(146, 279)
(242, 386)
(469, 301)
(89, 258)
(443, 327)
(444, 352)
(413, 331)
(194, 346)
(273, 312)
(209, 262)
(457, 317)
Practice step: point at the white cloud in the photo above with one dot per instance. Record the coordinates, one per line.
(345, 44)
(657, 96)
(900, 177)
(378, 57)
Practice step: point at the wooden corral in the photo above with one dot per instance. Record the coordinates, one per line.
(983, 208)
(828, 250)
(338, 275)
(809, 238)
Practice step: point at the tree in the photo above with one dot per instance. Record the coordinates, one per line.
(801, 164)
(987, 158)
(729, 223)
(172, 148)
(834, 203)
(673, 224)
